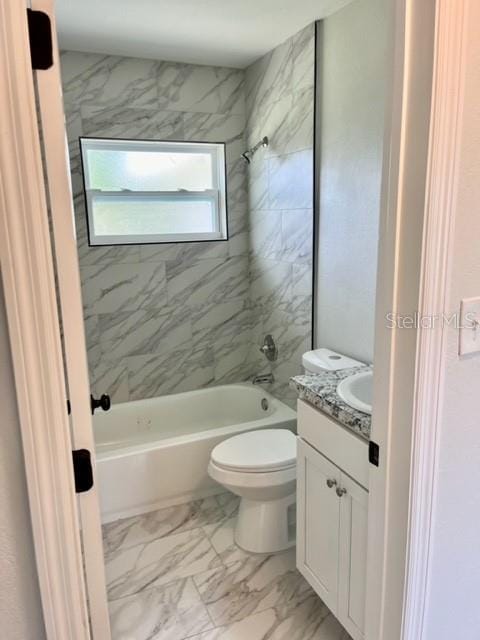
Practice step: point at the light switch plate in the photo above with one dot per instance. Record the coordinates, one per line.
(469, 326)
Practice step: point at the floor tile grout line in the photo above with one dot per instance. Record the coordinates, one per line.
(214, 626)
(212, 549)
(122, 548)
(151, 588)
(139, 517)
(177, 531)
(257, 610)
(148, 542)
(172, 507)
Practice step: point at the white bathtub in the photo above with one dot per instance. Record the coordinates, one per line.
(155, 452)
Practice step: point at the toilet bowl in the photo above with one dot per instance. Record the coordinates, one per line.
(260, 467)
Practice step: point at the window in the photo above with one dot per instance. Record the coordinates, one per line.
(140, 191)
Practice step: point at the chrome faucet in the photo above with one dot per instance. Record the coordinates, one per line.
(264, 378)
(269, 348)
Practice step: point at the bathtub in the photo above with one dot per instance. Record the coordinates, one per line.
(154, 453)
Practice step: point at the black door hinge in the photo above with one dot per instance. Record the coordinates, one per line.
(82, 470)
(373, 453)
(41, 42)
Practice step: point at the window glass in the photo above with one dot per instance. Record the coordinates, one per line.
(140, 191)
(148, 170)
(139, 216)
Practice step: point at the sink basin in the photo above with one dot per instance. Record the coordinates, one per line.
(356, 391)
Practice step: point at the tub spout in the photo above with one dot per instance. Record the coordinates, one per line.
(266, 378)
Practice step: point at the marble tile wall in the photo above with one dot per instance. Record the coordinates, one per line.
(170, 317)
(280, 104)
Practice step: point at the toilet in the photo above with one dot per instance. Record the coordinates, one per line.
(260, 467)
(321, 360)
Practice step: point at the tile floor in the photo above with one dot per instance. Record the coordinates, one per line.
(176, 573)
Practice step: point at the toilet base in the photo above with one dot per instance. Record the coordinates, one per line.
(266, 527)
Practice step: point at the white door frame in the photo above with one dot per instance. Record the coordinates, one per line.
(27, 270)
(398, 291)
(60, 199)
(438, 234)
(414, 262)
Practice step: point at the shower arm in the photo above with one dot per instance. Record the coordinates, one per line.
(262, 143)
(247, 155)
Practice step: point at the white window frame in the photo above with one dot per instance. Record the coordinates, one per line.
(217, 195)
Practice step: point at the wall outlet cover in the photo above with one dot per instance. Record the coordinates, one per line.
(469, 326)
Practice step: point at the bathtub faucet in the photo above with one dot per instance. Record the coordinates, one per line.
(265, 378)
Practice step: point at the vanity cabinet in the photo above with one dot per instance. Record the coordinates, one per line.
(352, 566)
(332, 511)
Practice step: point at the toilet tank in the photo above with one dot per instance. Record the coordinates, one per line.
(326, 360)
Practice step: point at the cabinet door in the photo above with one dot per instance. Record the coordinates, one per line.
(353, 557)
(318, 522)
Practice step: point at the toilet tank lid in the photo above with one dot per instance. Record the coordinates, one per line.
(261, 450)
(326, 360)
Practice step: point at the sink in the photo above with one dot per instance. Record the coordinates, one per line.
(356, 391)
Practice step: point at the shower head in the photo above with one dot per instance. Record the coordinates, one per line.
(248, 155)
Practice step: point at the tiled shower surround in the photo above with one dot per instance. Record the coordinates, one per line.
(174, 317)
(280, 103)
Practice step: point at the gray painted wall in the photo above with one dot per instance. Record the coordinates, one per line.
(351, 86)
(280, 104)
(20, 607)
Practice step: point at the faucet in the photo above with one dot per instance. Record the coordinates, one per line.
(269, 348)
(264, 378)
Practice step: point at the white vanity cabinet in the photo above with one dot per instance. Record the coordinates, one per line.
(332, 511)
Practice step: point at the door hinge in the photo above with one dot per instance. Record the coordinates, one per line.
(373, 453)
(40, 37)
(82, 470)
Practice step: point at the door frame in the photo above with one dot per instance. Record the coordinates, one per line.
(398, 291)
(49, 98)
(414, 262)
(397, 562)
(30, 298)
(445, 141)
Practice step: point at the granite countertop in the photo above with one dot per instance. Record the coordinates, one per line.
(320, 390)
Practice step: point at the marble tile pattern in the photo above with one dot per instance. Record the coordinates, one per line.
(280, 104)
(320, 390)
(176, 317)
(170, 317)
(176, 573)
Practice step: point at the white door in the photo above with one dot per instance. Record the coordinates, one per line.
(318, 522)
(62, 220)
(353, 557)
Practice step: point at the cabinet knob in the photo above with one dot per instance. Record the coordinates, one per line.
(331, 483)
(341, 491)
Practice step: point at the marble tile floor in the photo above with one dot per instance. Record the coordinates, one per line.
(176, 573)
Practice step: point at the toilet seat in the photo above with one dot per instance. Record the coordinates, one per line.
(261, 451)
(249, 479)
